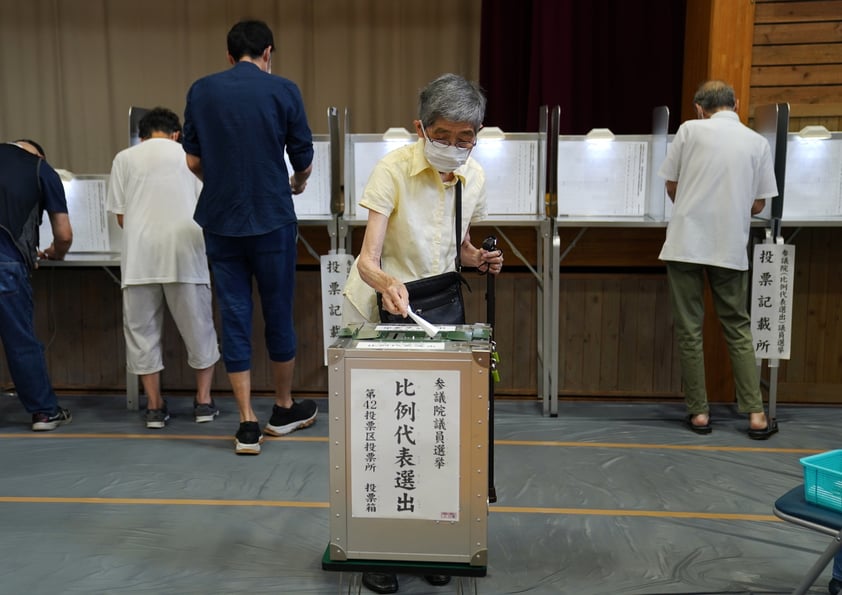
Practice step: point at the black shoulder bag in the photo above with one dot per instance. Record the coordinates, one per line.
(437, 299)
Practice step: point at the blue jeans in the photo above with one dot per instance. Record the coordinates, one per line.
(837, 566)
(270, 260)
(24, 352)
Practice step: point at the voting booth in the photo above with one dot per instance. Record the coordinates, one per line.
(603, 177)
(409, 449)
(96, 234)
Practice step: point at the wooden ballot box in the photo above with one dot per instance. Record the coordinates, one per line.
(409, 444)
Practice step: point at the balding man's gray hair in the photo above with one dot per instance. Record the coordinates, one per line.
(713, 95)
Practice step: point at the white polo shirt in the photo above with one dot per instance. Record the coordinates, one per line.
(721, 167)
(420, 237)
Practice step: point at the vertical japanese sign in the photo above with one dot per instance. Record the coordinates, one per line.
(404, 444)
(771, 301)
(335, 269)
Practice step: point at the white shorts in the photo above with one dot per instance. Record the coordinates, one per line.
(191, 307)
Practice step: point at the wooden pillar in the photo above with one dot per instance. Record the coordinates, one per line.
(718, 41)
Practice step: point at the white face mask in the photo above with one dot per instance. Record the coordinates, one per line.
(444, 159)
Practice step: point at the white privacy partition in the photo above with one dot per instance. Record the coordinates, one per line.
(610, 180)
(95, 233)
(511, 161)
(362, 152)
(313, 205)
(813, 188)
(514, 173)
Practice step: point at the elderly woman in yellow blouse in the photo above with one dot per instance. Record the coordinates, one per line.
(410, 198)
(411, 229)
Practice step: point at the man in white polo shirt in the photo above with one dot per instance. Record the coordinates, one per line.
(718, 174)
(163, 260)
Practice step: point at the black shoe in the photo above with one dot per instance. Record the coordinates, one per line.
(764, 433)
(248, 438)
(380, 582)
(834, 587)
(437, 580)
(288, 419)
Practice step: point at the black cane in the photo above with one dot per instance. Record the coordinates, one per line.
(490, 245)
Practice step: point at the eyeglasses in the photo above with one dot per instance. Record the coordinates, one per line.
(443, 144)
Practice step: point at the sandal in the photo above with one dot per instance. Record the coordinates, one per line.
(764, 433)
(705, 429)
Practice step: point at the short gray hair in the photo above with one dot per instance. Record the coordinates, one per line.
(713, 95)
(454, 98)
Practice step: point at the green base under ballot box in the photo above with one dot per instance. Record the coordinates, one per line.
(409, 449)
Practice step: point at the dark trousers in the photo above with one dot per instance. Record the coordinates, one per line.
(24, 352)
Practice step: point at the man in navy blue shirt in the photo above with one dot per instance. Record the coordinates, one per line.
(237, 124)
(28, 187)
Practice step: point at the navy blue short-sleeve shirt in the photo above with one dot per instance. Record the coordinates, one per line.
(239, 122)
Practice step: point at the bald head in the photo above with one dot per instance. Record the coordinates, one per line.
(713, 96)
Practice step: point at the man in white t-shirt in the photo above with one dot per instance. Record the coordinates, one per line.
(718, 174)
(154, 194)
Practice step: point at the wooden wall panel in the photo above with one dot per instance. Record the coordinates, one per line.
(820, 53)
(615, 332)
(797, 96)
(797, 59)
(814, 371)
(819, 74)
(616, 337)
(828, 31)
(79, 319)
(571, 342)
(609, 336)
(795, 11)
(608, 345)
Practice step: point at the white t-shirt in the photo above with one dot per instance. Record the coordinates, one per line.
(721, 167)
(420, 238)
(151, 186)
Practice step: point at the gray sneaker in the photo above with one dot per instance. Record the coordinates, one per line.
(204, 412)
(156, 418)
